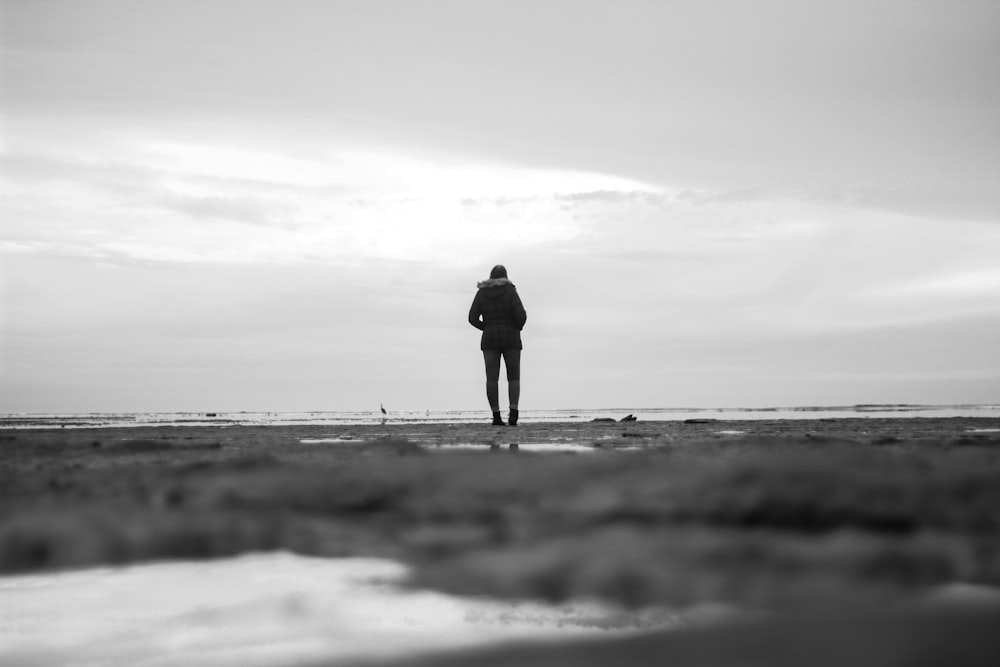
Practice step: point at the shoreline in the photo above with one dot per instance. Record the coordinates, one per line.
(445, 417)
(650, 432)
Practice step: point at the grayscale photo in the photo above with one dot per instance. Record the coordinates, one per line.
(507, 333)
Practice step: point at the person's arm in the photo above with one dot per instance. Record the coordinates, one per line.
(520, 316)
(475, 313)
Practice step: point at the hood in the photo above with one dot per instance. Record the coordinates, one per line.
(494, 286)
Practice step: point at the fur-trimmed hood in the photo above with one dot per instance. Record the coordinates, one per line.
(493, 282)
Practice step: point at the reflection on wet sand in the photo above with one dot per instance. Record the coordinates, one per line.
(263, 609)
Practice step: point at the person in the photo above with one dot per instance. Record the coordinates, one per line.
(498, 312)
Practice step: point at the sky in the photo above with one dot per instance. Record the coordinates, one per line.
(221, 205)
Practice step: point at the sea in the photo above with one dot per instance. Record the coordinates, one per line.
(324, 418)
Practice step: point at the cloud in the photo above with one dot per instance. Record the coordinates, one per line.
(247, 210)
(771, 98)
(499, 202)
(962, 284)
(647, 197)
(173, 201)
(252, 164)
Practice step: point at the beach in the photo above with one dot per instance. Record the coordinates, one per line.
(823, 529)
(269, 270)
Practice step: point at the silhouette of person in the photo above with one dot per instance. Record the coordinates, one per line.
(498, 312)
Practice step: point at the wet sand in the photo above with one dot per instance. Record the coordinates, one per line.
(798, 522)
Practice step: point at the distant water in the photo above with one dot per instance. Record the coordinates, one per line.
(331, 418)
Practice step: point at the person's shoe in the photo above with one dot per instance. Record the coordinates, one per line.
(497, 419)
(513, 417)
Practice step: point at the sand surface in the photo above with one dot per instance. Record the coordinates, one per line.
(789, 520)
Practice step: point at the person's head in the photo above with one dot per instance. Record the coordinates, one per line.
(498, 271)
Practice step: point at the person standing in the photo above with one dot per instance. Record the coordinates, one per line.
(498, 312)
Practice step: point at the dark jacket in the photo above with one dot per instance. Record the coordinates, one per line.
(502, 313)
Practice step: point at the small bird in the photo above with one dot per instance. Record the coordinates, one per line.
(380, 407)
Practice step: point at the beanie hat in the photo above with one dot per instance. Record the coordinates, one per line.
(498, 271)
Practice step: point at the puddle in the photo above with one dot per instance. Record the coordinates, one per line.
(982, 430)
(730, 432)
(566, 448)
(265, 609)
(315, 441)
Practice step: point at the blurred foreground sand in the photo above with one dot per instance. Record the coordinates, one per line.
(836, 532)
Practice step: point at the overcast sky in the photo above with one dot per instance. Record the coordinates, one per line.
(285, 205)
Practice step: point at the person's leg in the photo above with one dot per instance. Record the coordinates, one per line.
(492, 360)
(512, 359)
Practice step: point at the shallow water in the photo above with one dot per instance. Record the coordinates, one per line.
(563, 447)
(263, 609)
(320, 418)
